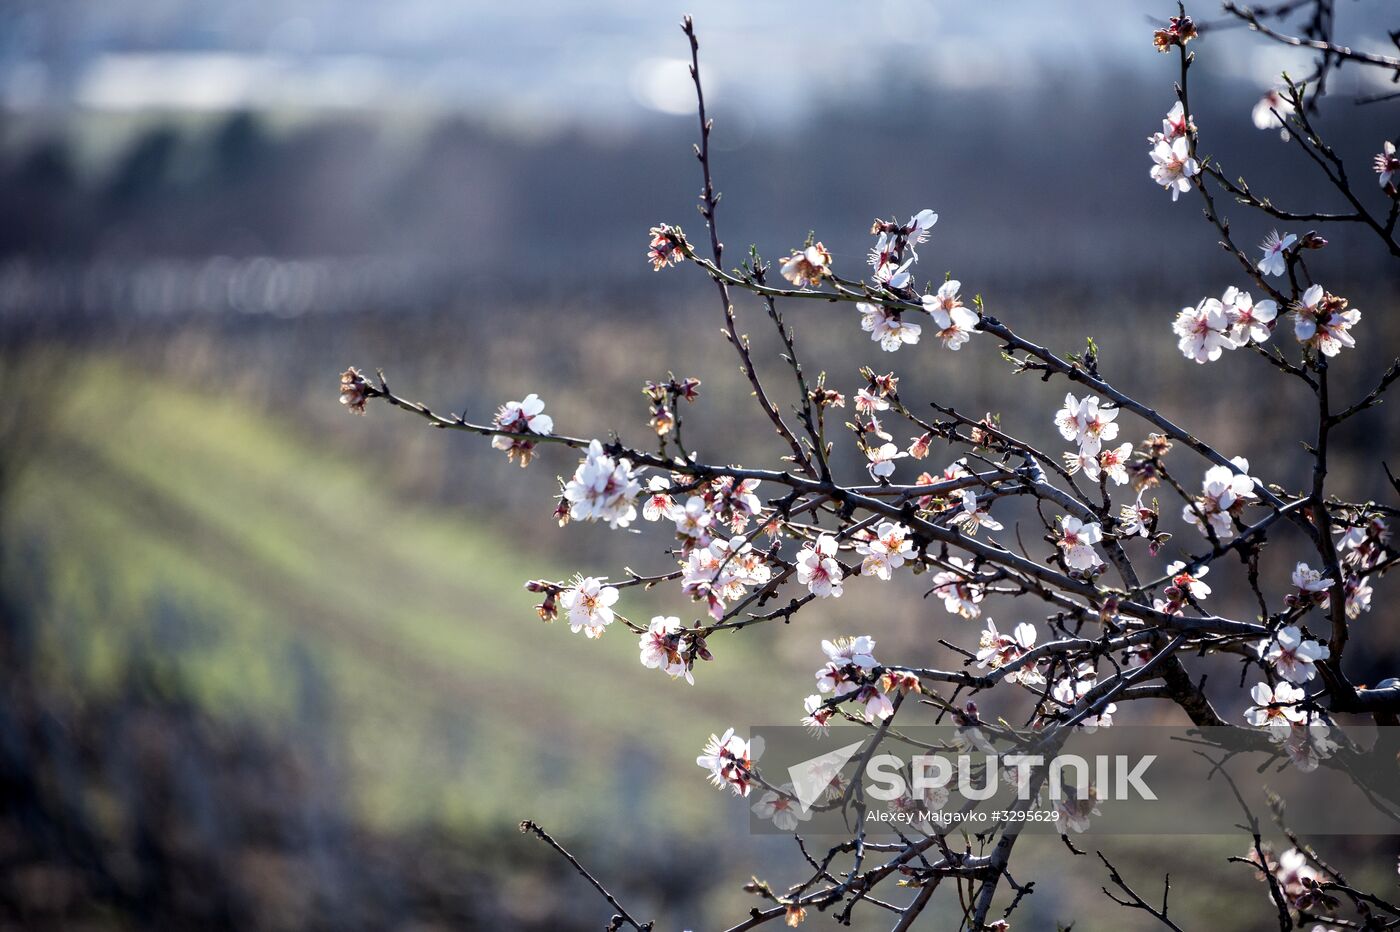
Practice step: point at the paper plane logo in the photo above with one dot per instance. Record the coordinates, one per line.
(811, 778)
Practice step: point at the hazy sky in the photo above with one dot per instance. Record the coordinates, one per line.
(559, 60)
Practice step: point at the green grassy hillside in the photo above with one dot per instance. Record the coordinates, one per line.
(279, 581)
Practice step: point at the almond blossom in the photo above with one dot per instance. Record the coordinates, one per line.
(1187, 581)
(1270, 111)
(850, 662)
(1275, 260)
(1174, 125)
(1085, 423)
(1111, 463)
(887, 551)
(1076, 541)
(603, 489)
(1275, 708)
(524, 418)
(589, 606)
(1292, 656)
(818, 570)
(974, 516)
(665, 248)
(1069, 690)
(1173, 166)
(659, 503)
(1322, 320)
(919, 226)
(781, 808)
(996, 650)
(955, 323)
(1358, 596)
(662, 648)
(1074, 810)
(1204, 331)
(727, 758)
(1308, 745)
(693, 522)
(887, 326)
(895, 278)
(1387, 165)
(1249, 322)
(1310, 585)
(882, 459)
(1224, 493)
(956, 588)
(808, 266)
(818, 713)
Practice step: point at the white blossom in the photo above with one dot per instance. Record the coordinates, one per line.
(1274, 246)
(1294, 657)
(996, 650)
(1323, 321)
(1173, 166)
(973, 515)
(1275, 708)
(727, 759)
(1077, 540)
(954, 322)
(887, 327)
(886, 551)
(781, 808)
(956, 588)
(603, 489)
(817, 568)
(1249, 322)
(1203, 331)
(589, 606)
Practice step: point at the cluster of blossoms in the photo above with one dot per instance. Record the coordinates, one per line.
(728, 759)
(958, 588)
(1322, 321)
(1302, 734)
(1224, 494)
(663, 397)
(603, 488)
(712, 509)
(1178, 31)
(722, 572)
(1296, 879)
(819, 570)
(891, 259)
(667, 246)
(1069, 690)
(996, 650)
(668, 647)
(522, 420)
(1217, 324)
(1362, 548)
(849, 675)
(1087, 425)
(1173, 166)
(884, 551)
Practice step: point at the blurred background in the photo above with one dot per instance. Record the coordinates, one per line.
(269, 666)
